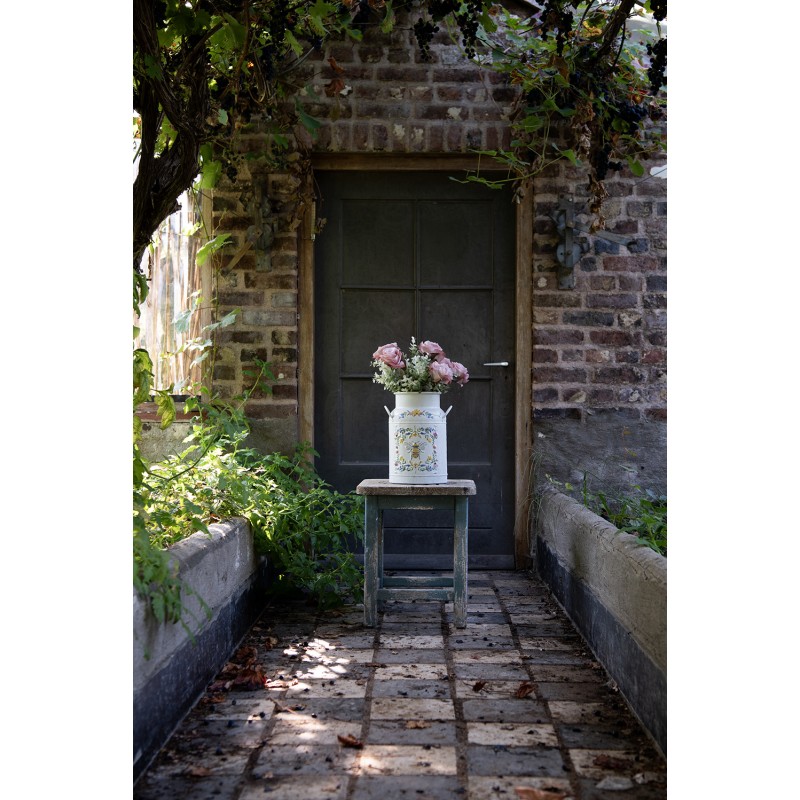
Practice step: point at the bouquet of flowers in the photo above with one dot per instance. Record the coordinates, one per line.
(426, 368)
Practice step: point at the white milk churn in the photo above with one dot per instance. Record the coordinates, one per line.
(417, 439)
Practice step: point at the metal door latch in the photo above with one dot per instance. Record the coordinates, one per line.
(496, 364)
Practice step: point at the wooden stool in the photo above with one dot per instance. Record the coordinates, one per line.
(380, 495)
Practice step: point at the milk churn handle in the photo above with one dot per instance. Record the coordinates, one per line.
(445, 413)
(389, 412)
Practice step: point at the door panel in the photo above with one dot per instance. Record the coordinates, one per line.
(417, 254)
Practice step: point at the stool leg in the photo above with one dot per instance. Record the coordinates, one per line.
(460, 549)
(371, 559)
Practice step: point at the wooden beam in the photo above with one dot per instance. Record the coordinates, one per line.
(401, 162)
(523, 395)
(305, 326)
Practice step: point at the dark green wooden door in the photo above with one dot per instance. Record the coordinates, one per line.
(407, 254)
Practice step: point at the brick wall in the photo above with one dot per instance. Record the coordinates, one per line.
(599, 350)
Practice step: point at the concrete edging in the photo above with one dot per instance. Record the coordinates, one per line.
(615, 592)
(170, 668)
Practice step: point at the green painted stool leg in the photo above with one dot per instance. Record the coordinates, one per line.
(372, 558)
(460, 563)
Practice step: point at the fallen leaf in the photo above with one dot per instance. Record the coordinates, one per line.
(525, 688)
(197, 772)
(245, 655)
(220, 686)
(335, 67)
(478, 685)
(417, 723)
(335, 86)
(249, 679)
(529, 793)
(350, 741)
(611, 762)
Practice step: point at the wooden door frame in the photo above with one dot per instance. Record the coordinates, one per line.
(523, 317)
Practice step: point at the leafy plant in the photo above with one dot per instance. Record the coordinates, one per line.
(642, 514)
(300, 522)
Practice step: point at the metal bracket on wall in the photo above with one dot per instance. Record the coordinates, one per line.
(569, 251)
(261, 234)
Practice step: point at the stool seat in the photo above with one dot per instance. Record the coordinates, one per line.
(380, 494)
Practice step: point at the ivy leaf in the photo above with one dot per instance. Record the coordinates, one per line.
(635, 166)
(166, 408)
(570, 155)
(293, 43)
(308, 122)
(210, 174)
(211, 247)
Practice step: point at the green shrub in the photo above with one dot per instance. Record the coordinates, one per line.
(640, 512)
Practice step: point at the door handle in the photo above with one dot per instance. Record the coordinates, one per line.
(496, 364)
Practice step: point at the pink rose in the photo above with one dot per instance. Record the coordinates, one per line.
(460, 372)
(441, 371)
(431, 349)
(390, 355)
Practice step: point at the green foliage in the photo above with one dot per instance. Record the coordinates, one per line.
(303, 525)
(298, 521)
(640, 512)
(585, 82)
(643, 515)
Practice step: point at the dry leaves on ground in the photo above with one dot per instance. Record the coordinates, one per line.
(350, 741)
(478, 686)
(417, 724)
(529, 793)
(524, 689)
(611, 762)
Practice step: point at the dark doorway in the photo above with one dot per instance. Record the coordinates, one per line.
(407, 254)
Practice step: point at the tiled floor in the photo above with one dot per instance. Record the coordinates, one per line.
(318, 706)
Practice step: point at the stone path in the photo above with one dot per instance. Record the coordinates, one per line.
(317, 707)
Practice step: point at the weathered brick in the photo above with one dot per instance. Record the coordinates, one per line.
(283, 391)
(618, 375)
(630, 283)
(588, 318)
(559, 375)
(259, 353)
(445, 75)
(403, 74)
(598, 356)
(588, 264)
(284, 299)
(268, 318)
(657, 338)
(549, 395)
(542, 356)
(286, 355)
(597, 397)
(557, 336)
(627, 356)
(283, 337)
(572, 356)
(656, 414)
(654, 301)
(601, 300)
(223, 372)
(603, 283)
(556, 300)
(241, 298)
(612, 338)
(632, 263)
(636, 208)
(657, 356)
(602, 246)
